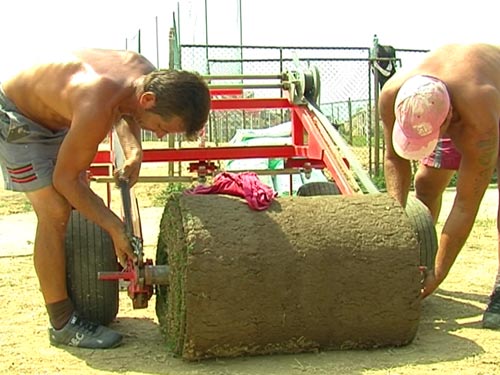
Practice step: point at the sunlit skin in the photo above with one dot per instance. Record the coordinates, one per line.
(90, 93)
(471, 74)
(158, 125)
(446, 123)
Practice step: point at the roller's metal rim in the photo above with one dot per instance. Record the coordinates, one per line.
(421, 220)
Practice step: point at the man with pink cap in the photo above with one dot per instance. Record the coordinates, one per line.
(445, 112)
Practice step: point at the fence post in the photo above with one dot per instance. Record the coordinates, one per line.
(349, 111)
(172, 46)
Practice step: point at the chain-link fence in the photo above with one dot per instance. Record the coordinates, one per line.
(348, 89)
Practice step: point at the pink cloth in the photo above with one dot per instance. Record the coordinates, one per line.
(245, 184)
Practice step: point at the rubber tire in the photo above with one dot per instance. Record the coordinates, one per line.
(421, 220)
(318, 188)
(89, 250)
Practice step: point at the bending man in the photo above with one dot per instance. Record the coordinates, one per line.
(446, 113)
(53, 116)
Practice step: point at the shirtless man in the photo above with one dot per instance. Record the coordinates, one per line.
(53, 116)
(446, 113)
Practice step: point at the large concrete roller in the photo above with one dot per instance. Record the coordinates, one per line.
(320, 272)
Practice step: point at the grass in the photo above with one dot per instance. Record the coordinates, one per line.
(160, 199)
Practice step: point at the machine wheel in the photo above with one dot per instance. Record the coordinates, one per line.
(318, 188)
(422, 222)
(312, 87)
(89, 250)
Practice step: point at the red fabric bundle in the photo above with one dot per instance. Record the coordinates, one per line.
(245, 184)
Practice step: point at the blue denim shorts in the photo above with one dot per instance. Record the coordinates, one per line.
(28, 150)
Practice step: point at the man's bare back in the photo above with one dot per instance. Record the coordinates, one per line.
(48, 93)
(469, 72)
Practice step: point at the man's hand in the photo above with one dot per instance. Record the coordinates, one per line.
(429, 282)
(129, 171)
(129, 135)
(123, 248)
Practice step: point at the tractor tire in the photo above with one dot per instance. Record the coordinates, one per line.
(89, 250)
(318, 188)
(421, 220)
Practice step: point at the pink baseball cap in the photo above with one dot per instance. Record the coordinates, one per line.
(421, 107)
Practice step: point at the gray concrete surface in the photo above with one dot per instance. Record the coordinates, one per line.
(17, 232)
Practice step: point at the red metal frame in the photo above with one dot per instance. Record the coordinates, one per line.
(311, 148)
(311, 145)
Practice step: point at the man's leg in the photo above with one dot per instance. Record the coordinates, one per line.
(67, 328)
(491, 317)
(52, 211)
(497, 280)
(429, 186)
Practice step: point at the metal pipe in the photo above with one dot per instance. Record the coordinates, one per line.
(267, 172)
(171, 179)
(243, 76)
(156, 275)
(247, 86)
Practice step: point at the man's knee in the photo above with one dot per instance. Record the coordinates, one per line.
(49, 205)
(425, 188)
(431, 182)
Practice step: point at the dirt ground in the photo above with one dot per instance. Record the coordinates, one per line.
(450, 339)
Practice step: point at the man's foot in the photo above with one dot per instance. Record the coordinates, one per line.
(491, 317)
(84, 334)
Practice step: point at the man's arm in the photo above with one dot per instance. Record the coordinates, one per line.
(129, 135)
(397, 171)
(479, 156)
(77, 151)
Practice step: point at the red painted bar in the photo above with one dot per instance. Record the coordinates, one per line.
(218, 153)
(330, 160)
(243, 103)
(310, 144)
(226, 92)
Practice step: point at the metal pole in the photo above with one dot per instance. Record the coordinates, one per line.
(349, 110)
(178, 30)
(376, 127)
(171, 48)
(139, 41)
(157, 44)
(240, 14)
(171, 65)
(241, 52)
(206, 35)
(282, 113)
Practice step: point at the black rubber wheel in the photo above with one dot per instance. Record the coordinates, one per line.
(89, 250)
(421, 220)
(318, 188)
